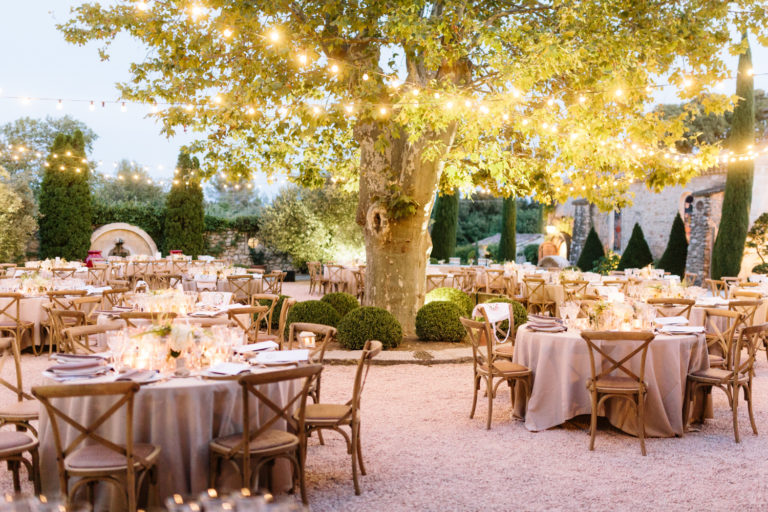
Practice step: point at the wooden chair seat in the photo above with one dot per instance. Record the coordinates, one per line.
(505, 350)
(96, 458)
(716, 361)
(26, 410)
(713, 375)
(269, 441)
(503, 367)
(329, 413)
(617, 384)
(15, 442)
(21, 324)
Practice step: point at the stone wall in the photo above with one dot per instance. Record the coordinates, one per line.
(707, 206)
(233, 245)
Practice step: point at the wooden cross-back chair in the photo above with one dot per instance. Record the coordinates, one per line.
(503, 333)
(61, 300)
(736, 376)
(730, 282)
(97, 275)
(241, 286)
(495, 281)
(63, 273)
(179, 267)
(257, 446)
(748, 309)
(266, 299)
(315, 269)
(535, 293)
(718, 340)
(605, 384)
(163, 280)
(359, 291)
(145, 317)
(487, 367)
(89, 306)
(335, 416)
(114, 297)
(690, 279)
(77, 340)
(334, 281)
(717, 287)
(24, 409)
(62, 319)
(324, 333)
(273, 282)
(10, 317)
(739, 294)
(574, 288)
(672, 306)
(280, 336)
(85, 454)
(435, 281)
(117, 270)
(248, 318)
(621, 284)
(466, 279)
(141, 269)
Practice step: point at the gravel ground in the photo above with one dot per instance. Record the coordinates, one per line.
(423, 452)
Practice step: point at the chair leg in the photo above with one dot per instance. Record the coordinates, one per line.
(35, 470)
(641, 422)
(320, 437)
(748, 392)
(735, 411)
(14, 467)
(593, 421)
(489, 392)
(212, 470)
(360, 452)
(354, 460)
(474, 397)
(686, 405)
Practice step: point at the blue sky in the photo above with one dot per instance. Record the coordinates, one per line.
(37, 62)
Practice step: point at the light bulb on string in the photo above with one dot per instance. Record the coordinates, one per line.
(227, 33)
(334, 68)
(123, 108)
(91, 106)
(365, 77)
(59, 105)
(274, 35)
(302, 59)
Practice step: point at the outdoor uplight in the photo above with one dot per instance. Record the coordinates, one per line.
(551, 230)
(307, 339)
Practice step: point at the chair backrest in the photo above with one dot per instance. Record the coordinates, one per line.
(315, 269)
(435, 281)
(9, 348)
(717, 287)
(123, 393)
(689, 279)
(335, 273)
(479, 337)
(750, 339)
(62, 299)
(179, 266)
(371, 349)
(672, 306)
(574, 288)
(87, 305)
(216, 298)
(747, 308)
(59, 321)
(114, 297)
(618, 283)
(10, 312)
(533, 288)
(240, 286)
(273, 282)
(244, 319)
(719, 340)
(359, 276)
(97, 275)
(269, 300)
(325, 333)
(501, 332)
(601, 341)
(130, 317)
(738, 293)
(63, 273)
(288, 303)
(291, 409)
(78, 339)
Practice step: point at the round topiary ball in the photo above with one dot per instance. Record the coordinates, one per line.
(518, 310)
(440, 321)
(313, 312)
(454, 295)
(369, 323)
(342, 302)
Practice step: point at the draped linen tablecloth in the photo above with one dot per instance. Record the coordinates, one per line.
(219, 285)
(347, 282)
(560, 364)
(181, 416)
(30, 310)
(697, 316)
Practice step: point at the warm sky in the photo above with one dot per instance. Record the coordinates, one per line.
(37, 62)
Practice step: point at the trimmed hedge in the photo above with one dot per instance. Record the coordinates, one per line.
(447, 294)
(675, 255)
(313, 312)
(369, 323)
(276, 311)
(591, 253)
(440, 321)
(342, 302)
(637, 254)
(518, 310)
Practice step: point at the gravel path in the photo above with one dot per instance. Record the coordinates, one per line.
(423, 452)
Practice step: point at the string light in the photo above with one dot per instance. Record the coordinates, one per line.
(302, 59)
(142, 5)
(274, 35)
(59, 105)
(227, 33)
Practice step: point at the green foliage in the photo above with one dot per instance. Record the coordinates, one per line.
(243, 223)
(531, 253)
(520, 314)
(466, 253)
(17, 221)
(132, 185)
(492, 252)
(676, 253)
(591, 253)
(232, 199)
(149, 217)
(761, 268)
(447, 294)
(65, 201)
(446, 218)
(369, 323)
(481, 216)
(530, 216)
(342, 302)
(184, 217)
(313, 312)
(757, 236)
(605, 264)
(258, 257)
(508, 244)
(276, 311)
(734, 222)
(637, 254)
(313, 225)
(440, 321)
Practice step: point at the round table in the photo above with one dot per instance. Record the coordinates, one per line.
(560, 364)
(181, 416)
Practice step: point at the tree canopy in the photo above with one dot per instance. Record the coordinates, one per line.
(131, 184)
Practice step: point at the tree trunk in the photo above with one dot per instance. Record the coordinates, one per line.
(393, 175)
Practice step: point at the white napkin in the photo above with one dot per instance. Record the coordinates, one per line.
(282, 356)
(671, 320)
(229, 368)
(257, 347)
(682, 329)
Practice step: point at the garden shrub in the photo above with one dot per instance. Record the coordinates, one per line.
(466, 253)
(443, 232)
(458, 297)
(184, 212)
(342, 302)
(761, 268)
(531, 252)
(637, 253)
(439, 321)
(369, 323)
(313, 312)
(591, 253)
(276, 311)
(676, 253)
(518, 311)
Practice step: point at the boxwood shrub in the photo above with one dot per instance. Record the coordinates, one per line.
(369, 323)
(439, 321)
(314, 312)
(276, 312)
(342, 302)
(454, 295)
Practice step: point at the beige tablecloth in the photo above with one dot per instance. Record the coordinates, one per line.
(347, 282)
(560, 364)
(30, 310)
(220, 285)
(179, 415)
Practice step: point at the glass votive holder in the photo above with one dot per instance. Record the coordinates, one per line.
(179, 503)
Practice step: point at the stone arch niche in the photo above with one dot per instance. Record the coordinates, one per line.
(135, 240)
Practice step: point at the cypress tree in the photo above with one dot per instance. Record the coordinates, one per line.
(444, 228)
(673, 259)
(591, 253)
(734, 222)
(508, 243)
(637, 254)
(65, 200)
(184, 215)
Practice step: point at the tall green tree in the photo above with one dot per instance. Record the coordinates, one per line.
(734, 221)
(592, 252)
(65, 200)
(184, 212)
(675, 255)
(130, 184)
(403, 98)
(17, 221)
(444, 228)
(636, 254)
(508, 242)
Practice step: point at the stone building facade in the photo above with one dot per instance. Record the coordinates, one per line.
(699, 203)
